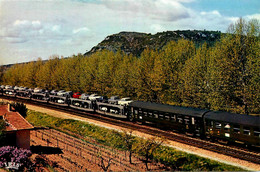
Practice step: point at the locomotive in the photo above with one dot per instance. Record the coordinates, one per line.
(196, 122)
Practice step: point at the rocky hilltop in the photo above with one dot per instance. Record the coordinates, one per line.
(134, 42)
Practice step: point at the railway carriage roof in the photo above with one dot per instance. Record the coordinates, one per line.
(195, 112)
(248, 120)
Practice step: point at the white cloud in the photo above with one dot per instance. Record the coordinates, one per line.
(21, 23)
(233, 19)
(253, 16)
(157, 28)
(210, 14)
(83, 29)
(167, 10)
(41, 28)
(55, 28)
(36, 24)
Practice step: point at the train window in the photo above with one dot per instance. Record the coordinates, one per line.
(226, 127)
(179, 119)
(246, 131)
(156, 115)
(257, 133)
(160, 116)
(174, 118)
(187, 120)
(236, 129)
(167, 116)
(192, 121)
(218, 125)
(211, 124)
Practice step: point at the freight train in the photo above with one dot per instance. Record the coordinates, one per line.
(202, 123)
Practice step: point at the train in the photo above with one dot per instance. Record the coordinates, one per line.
(203, 123)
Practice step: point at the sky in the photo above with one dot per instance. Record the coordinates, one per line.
(30, 29)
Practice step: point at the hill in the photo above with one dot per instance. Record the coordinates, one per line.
(134, 42)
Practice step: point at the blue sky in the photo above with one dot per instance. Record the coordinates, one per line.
(30, 29)
(228, 7)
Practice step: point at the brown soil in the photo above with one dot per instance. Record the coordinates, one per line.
(66, 153)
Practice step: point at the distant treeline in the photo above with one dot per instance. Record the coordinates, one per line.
(220, 77)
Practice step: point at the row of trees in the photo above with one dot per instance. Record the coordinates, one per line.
(221, 77)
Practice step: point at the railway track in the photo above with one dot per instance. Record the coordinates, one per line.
(233, 151)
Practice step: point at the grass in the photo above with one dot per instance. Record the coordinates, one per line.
(172, 158)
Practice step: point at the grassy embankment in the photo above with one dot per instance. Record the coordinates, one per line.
(170, 157)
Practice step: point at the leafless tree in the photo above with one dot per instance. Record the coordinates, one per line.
(104, 166)
(148, 146)
(129, 141)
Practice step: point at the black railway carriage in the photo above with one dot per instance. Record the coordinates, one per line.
(183, 119)
(233, 127)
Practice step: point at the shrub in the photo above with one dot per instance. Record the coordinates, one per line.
(11, 154)
(2, 132)
(20, 107)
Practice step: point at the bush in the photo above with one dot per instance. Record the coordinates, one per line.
(10, 154)
(2, 132)
(20, 107)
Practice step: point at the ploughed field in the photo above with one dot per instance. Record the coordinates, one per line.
(71, 154)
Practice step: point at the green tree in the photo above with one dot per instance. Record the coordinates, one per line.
(44, 76)
(174, 57)
(124, 78)
(13, 75)
(106, 70)
(144, 73)
(231, 61)
(194, 78)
